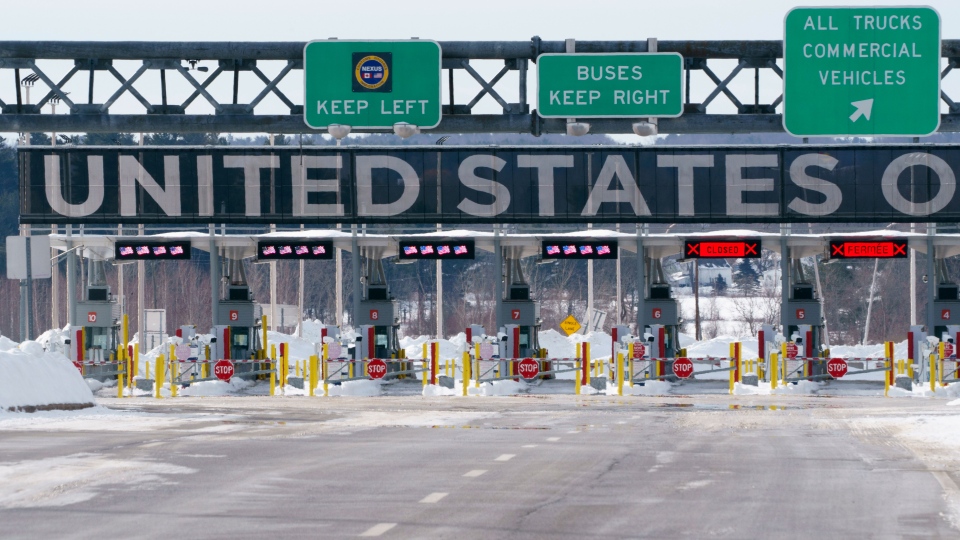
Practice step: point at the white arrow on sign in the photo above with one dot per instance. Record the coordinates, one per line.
(864, 107)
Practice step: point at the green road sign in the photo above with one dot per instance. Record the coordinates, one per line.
(620, 85)
(861, 71)
(371, 84)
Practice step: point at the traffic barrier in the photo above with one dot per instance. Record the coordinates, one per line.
(837, 368)
(683, 368)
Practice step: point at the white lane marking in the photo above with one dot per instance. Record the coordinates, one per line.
(553, 439)
(529, 446)
(378, 529)
(475, 473)
(573, 432)
(152, 444)
(505, 457)
(433, 498)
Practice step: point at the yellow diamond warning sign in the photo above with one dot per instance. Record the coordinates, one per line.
(570, 325)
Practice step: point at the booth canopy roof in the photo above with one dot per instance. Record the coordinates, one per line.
(239, 246)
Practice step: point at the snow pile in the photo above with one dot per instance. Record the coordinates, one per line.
(922, 390)
(434, 390)
(765, 389)
(31, 379)
(649, 388)
(356, 388)
(557, 345)
(500, 388)
(300, 348)
(449, 348)
(216, 388)
(600, 343)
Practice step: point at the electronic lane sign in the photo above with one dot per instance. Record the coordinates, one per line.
(139, 251)
(861, 71)
(620, 85)
(742, 248)
(453, 249)
(868, 249)
(294, 250)
(371, 84)
(572, 249)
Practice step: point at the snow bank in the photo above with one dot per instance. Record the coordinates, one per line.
(649, 388)
(449, 348)
(33, 379)
(216, 388)
(764, 389)
(356, 388)
(500, 388)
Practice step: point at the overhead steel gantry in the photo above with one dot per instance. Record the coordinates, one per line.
(119, 67)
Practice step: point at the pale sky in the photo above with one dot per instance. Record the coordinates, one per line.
(301, 20)
(485, 20)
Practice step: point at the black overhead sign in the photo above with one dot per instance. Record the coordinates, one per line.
(712, 248)
(667, 184)
(855, 248)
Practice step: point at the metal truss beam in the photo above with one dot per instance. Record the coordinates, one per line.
(175, 60)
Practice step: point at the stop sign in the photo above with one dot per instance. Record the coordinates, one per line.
(682, 367)
(528, 368)
(837, 367)
(223, 369)
(376, 368)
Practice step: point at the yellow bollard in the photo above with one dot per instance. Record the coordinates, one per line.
(314, 367)
(465, 379)
(619, 373)
(173, 372)
(119, 381)
(774, 372)
(263, 329)
(273, 380)
(933, 372)
(323, 372)
(630, 372)
(136, 367)
(426, 370)
(578, 374)
(158, 376)
(886, 380)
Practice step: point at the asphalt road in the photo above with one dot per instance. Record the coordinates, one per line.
(523, 467)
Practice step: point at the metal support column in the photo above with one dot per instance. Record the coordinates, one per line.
(641, 282)
(498, 279)
(784, 278)
(931, 278)
(214, 277)
(357, 290)
(54, 285)
(71, 279)
(141, 291)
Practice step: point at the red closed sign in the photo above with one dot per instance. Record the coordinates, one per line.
(528, 368)
(376, 369)
(837, 367)
(682, 367)
(223, 370)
